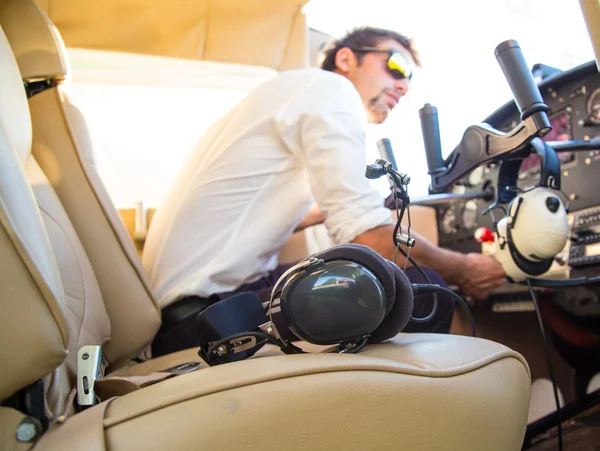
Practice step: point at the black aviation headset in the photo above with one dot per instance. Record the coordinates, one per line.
(346, 295)
(535, 226)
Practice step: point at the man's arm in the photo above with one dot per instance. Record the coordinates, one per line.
(476, 274)
(313, 217)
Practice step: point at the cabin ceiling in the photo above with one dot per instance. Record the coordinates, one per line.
(269, 33)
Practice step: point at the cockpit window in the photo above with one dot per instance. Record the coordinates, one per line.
(144, 114)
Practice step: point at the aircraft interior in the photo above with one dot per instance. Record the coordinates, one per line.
(78, 316)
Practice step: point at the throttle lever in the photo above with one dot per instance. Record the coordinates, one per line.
(430, 128)
(520, 79)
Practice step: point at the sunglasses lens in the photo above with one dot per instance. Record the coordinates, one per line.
(399, 66)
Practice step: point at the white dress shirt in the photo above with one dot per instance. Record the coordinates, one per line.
(253, 176)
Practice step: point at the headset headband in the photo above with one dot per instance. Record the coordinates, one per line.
(509, 171)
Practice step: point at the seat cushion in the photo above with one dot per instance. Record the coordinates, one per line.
(417, 392)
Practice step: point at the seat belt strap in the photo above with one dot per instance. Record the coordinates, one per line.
(92, 385)
(121, 385)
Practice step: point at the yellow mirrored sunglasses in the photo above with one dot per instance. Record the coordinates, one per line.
(398, 64)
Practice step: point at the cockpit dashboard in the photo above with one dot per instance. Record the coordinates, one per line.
(573, 97)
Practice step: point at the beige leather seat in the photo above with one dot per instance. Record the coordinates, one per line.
(62, 149)
(417, 392)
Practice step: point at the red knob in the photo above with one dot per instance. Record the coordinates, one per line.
(484, 235)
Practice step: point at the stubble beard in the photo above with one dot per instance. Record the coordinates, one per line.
(379, 111)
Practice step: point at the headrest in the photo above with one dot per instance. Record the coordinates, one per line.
(15, 120)
(35, 41)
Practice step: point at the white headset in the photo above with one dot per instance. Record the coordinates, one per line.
(535, 228)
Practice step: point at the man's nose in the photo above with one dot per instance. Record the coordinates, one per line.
(402, 85)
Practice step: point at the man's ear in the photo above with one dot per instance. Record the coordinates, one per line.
(345, 60)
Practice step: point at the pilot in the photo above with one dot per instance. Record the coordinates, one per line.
(296, 140)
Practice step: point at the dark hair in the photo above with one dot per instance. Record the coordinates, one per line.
(363, 37)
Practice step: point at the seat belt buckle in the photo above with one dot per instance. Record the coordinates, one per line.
(89, 370)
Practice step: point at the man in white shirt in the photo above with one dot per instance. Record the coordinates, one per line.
(254, 175)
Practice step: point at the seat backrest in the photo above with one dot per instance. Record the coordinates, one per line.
(50, 303)
(30, 314)
(62, 148)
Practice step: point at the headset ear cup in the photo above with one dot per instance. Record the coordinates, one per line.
(402, 310)
(534, 268)
(530, 267)
(370, 259)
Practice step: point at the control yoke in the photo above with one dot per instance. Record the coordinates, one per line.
(482, 143)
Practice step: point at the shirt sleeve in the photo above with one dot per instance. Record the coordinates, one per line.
(324, 126)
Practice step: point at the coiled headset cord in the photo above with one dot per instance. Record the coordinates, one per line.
(399, 215)
(548, 361)
(428, 288)
(399, 191)
(423, 288)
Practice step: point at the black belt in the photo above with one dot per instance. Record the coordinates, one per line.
(185, 307)
(178, 328)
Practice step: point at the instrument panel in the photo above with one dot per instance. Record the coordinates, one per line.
(574, 100)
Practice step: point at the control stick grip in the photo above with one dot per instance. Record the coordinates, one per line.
(520, 79)
(431, 138)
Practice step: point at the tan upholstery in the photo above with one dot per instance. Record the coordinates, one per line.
(86, 315)
(62, 148)
(198, 30)
(34, 41)
(417, 393)
(295, 249)
(14, 117)
(34, 332)
(76, 288)
(423, 219)
(63, 151)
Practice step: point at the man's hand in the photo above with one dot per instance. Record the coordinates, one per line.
(480, 275)
(477, 275)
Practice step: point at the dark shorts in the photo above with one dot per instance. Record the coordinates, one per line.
(178, 331)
